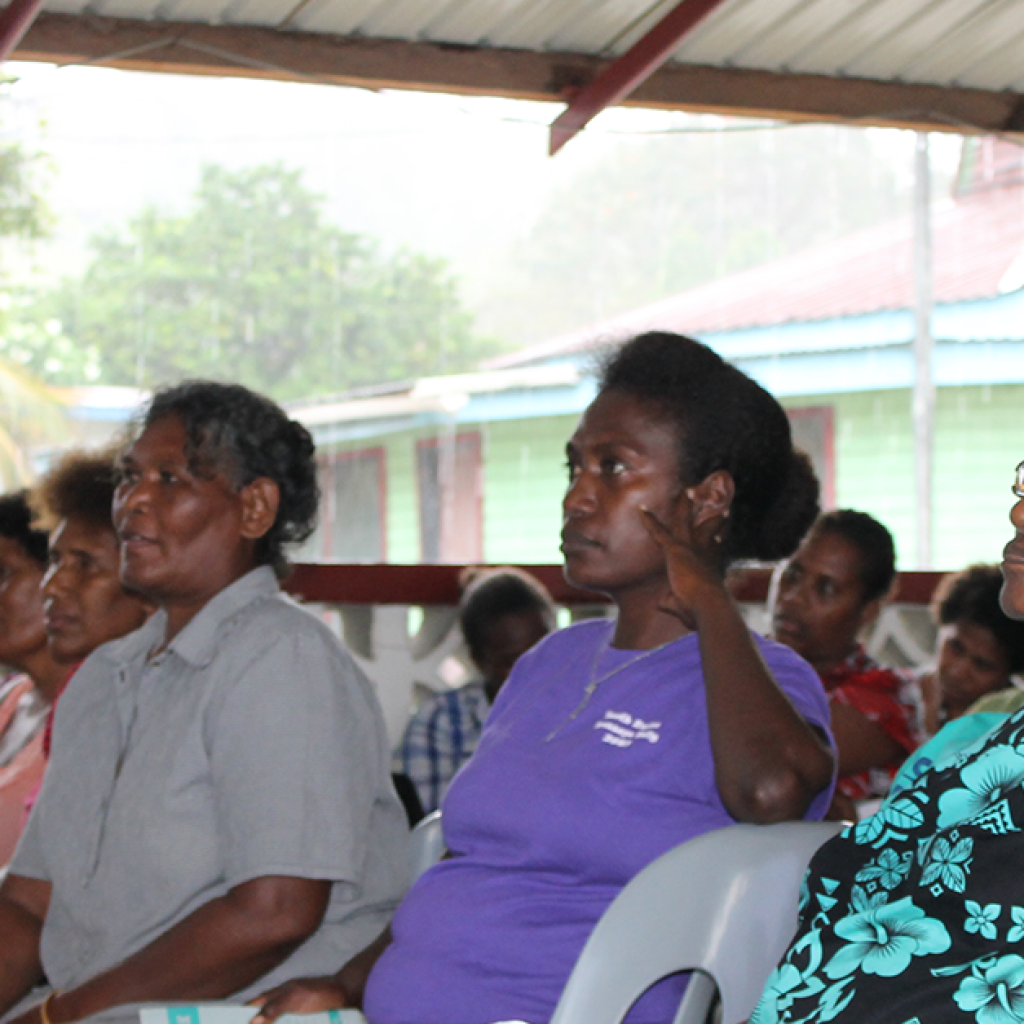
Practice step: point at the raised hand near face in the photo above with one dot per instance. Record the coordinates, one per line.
(691, 539)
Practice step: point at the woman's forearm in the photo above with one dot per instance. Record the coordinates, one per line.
(23, 905)
(769, 762)
(222, 947)
(353, 976)
(309, 995)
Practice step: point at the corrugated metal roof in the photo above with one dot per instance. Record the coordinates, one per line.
(978, 252)
(943, 42)
(954, 44)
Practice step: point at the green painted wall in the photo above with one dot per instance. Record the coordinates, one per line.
(524, 480)
(979, 438)
(403, 516)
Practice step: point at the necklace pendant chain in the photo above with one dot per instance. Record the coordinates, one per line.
(595, 681)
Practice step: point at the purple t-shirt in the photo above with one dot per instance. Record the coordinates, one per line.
(551, 818)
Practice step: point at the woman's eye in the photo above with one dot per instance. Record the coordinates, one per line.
(167, 477)
(573, 469)
(612, 466)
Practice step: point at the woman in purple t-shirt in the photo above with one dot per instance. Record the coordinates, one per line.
(614, 741)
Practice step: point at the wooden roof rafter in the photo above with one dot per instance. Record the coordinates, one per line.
(287, 50)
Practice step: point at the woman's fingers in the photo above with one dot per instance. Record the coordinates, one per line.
(660, 531)
(305, 995)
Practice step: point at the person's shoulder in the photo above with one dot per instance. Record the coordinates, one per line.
(448, 706)
(792, 672)
(585, 634)
(275, 635)
(113, 655)
(778, 655)
(278, 618)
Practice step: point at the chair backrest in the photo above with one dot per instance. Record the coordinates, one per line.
(426, 845)
(723, 904)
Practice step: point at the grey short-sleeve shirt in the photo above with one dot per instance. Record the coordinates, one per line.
(253, 745)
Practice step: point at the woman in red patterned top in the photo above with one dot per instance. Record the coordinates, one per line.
(829, 592)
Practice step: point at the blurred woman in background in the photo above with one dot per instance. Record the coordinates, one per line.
(25, 696)
(979, 649)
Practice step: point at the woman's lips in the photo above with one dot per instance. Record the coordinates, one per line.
(59, 622)
(573, 542)
(133, 542)
(782, 627)
(1013, 554)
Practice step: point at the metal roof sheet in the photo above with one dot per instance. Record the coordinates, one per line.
(955, 45)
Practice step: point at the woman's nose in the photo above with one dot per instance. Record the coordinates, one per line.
(131, 495)
(579, 498)
(790, 593)
(52, 581)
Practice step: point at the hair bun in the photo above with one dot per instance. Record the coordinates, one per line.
(788, 518)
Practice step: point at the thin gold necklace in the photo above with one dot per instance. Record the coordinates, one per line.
(596, 681)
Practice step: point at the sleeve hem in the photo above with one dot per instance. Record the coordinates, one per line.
(315, 873)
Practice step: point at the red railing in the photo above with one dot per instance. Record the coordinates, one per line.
(439, 584)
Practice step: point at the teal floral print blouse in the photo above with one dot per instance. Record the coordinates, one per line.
(916, 914)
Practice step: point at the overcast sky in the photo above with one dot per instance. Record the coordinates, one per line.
(442, 173)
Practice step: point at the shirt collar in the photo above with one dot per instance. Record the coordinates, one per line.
(857, 662)
(197, 642)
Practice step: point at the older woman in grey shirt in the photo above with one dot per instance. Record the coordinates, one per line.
(218, 814)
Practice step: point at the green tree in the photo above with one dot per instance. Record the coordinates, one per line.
(252, 283)
(30, 413)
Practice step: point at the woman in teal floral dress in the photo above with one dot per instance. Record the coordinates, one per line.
(916, 914)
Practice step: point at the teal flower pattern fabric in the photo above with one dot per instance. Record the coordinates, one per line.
(916, 915)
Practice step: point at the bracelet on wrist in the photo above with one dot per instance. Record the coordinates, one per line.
(44, 1007)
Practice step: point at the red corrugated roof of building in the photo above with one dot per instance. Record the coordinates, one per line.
(975, 241)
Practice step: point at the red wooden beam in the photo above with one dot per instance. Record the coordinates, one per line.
(409, 584)
(439, 584)
(15, 20)
(630, 70)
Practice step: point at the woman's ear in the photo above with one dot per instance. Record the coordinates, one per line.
(260, 501)
(712, 498)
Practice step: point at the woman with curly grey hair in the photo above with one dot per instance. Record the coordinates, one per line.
(219, 777)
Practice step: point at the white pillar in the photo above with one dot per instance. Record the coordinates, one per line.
(924, 384)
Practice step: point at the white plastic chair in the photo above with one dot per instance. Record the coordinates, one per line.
(426, 845)
(722, 906)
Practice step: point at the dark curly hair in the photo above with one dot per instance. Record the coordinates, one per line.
(489, 594)
(724, 421)
(16, 524)
(873, 542)
(972, 595)
(245, 436)
(81, 487)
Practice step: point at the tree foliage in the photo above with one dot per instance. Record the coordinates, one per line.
(30, 413)
(658, 215)
(252, 283)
